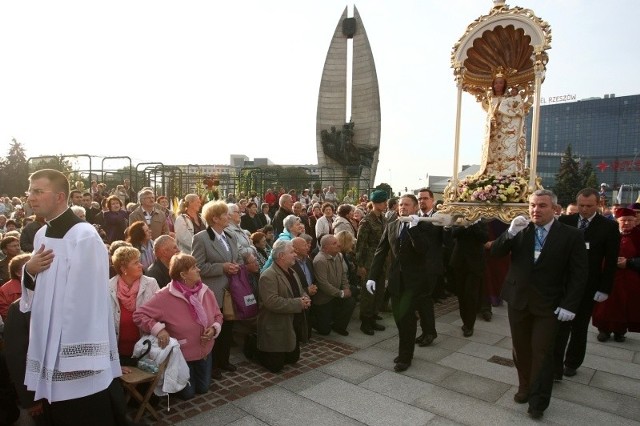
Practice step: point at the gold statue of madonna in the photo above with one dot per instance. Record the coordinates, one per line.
(504, 147)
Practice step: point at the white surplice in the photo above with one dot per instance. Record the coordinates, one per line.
(73, 350)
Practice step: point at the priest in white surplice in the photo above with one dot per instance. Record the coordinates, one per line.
(73, 355)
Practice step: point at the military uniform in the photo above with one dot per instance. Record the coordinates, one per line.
(369, 233)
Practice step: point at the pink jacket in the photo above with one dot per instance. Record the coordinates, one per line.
(168, 309)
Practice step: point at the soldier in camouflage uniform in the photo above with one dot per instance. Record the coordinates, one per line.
(369, 233)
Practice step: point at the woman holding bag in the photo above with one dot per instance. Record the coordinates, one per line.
(217, 256)
(188, 311)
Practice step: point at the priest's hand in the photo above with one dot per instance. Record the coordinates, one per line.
(39, 261)
(312, 289)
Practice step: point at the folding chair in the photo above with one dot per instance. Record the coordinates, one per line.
(131, 380)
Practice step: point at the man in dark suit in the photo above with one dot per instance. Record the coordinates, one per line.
(467, 262)
(435, 278)
(544, 285)
(602, 241)
(410, 244)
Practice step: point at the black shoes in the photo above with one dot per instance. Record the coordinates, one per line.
(569, 372)
(401, 366)
(378, 327)
(366, 328)
(535, 414)
(619, 337)
(425, 340)
(603, 336)
(377, 317)
(341, 332)
(521, 397)
(216, 374)
(466, 331)
(487, 315)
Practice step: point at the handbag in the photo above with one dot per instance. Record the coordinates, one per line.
(244, 301)
(228, 313)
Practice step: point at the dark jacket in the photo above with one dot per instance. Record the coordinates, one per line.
(603, 240)
(559, 276)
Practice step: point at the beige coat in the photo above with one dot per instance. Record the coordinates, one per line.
(158, 221)
(276, 331)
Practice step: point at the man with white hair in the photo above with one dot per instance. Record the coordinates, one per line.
(150, 214)
(286, 208)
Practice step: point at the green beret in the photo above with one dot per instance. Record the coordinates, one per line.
(378, 196)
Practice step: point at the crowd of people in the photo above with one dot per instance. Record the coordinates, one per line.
(298, 263)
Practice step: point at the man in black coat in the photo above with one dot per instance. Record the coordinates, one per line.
(544, 285)
(286, 208)
(467, 262)
(602, 241)
(410, 244)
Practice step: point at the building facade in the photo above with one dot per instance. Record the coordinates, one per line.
(604, 131)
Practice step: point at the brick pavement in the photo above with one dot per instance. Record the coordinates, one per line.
(251, 377)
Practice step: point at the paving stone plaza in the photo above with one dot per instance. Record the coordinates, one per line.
(457, 380)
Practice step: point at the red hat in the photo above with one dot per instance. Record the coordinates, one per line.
(623, 211)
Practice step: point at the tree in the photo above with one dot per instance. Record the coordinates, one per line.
(14, 172)
(569, 179)
(386, 188)
(588, 175)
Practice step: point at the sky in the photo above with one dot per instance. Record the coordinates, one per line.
(193, 82)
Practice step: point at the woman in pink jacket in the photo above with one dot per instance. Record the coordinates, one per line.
(186, 310)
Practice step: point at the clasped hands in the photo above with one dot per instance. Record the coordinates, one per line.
(306, 302)
(230, 268)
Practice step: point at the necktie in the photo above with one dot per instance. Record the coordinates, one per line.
(224, 241)
(584, 223)
(403, 232)
(540, 237)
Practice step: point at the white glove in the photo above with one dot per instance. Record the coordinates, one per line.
(564, 315)
(414, 220)
(518, 224)
(371, 286)
(600, 296)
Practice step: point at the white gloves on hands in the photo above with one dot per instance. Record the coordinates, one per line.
(518, 224)
(564, 315)
(371, 286)
(600, 296)
(414, 220)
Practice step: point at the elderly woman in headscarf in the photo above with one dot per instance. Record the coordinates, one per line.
(293, 227)
(129, 289)
(186, 310)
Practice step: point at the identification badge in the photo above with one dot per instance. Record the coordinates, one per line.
(536, 255)
(587, 244)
